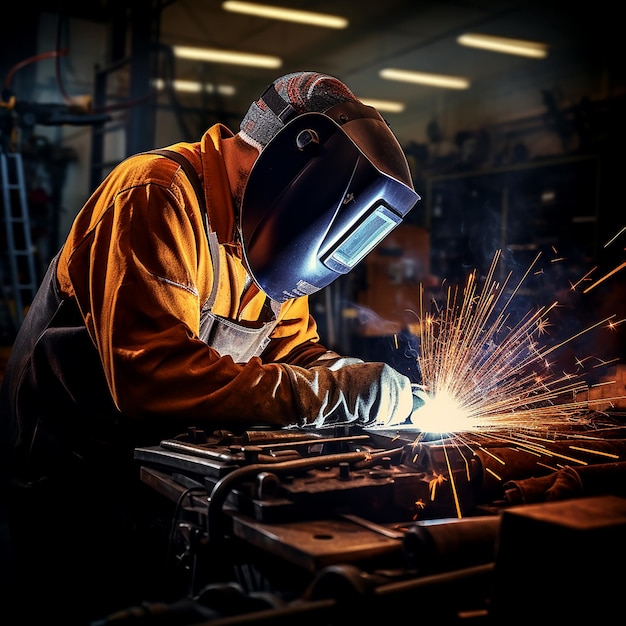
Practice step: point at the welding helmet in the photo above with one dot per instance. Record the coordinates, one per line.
(329, 184)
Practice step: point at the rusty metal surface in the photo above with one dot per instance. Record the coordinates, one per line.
(314, 544)
(386, 517)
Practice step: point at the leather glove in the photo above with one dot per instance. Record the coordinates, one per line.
(363, 393)
(334, 361)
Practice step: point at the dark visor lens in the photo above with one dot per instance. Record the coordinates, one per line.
(361, 239)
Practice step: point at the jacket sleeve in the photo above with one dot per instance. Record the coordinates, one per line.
(331, 388)
(139, 272)
(139, 269)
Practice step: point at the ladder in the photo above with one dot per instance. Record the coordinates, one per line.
(20, 286)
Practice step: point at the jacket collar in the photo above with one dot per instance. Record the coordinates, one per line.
(217, 190)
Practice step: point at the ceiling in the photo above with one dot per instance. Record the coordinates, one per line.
(405, 34)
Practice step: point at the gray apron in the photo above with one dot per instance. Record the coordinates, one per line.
(240, 341)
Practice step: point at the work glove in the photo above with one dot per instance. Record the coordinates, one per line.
(334, 361)
(367, 394)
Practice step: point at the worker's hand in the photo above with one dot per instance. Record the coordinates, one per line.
(334, 361)
(419, 396)
(363, 393)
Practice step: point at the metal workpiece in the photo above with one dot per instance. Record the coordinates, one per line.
(446, 544)
(349, 516)
(389, 476)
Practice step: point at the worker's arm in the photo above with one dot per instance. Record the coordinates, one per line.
(334, 388)
(140, 269)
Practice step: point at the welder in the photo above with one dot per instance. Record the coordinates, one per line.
(180, 299)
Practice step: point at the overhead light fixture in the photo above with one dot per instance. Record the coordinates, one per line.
(423, 78)
(213, 55)
(289, 15)
(520, 47)
(192, 86)
(385, 106)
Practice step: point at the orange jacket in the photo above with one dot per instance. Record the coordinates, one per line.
(138, 263)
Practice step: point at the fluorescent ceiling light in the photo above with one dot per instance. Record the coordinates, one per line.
(520, 47)
(422, 78)
(289, 15)
(227, 56)
(386, 106)
(191, 86)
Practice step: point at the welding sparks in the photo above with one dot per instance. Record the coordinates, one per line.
(492, 388)
(610, 241)
(482, 371)
(601, 280)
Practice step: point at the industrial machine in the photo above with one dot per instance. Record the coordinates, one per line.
(350, 525)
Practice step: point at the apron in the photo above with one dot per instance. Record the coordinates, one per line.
(241, 341)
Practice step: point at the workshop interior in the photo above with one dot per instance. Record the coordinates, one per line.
(502, 295)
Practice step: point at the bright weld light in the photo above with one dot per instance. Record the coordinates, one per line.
(520, 47)
(423, 78)
(227, 56)
(289, 15)
(440, 414)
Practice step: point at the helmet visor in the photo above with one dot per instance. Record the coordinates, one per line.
(315, 205)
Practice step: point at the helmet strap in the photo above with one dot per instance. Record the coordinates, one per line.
(279, 106)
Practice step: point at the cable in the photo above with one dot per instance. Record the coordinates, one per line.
(28, 61)
(177, 508)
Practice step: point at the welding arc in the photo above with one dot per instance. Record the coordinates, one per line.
(225, 485)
